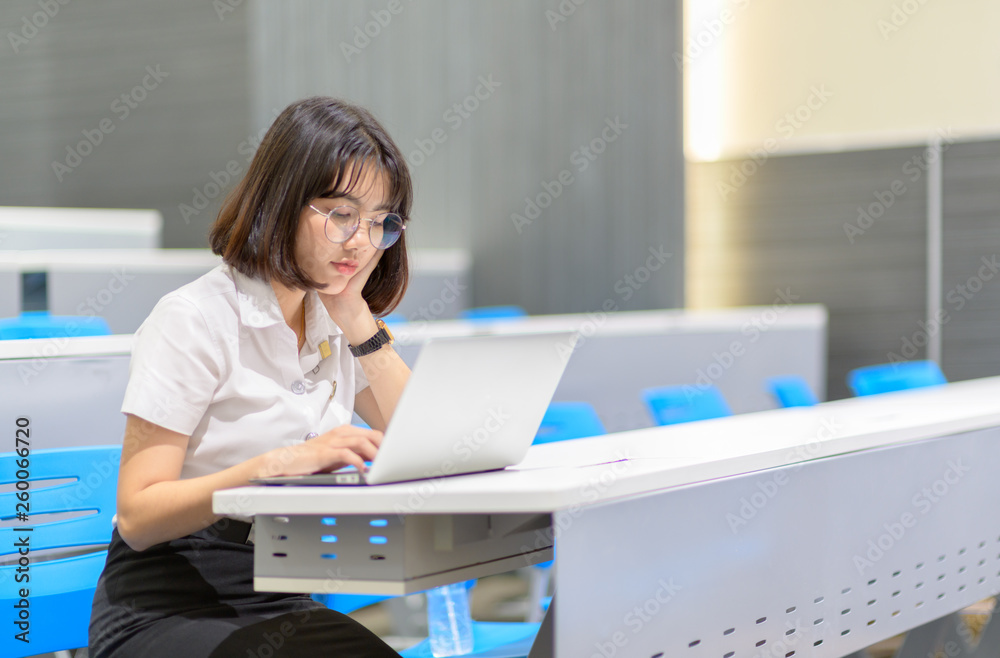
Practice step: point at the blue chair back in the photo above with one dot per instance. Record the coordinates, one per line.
(669, 405)
(889, 377)
(568, 420)
(61, 590)
(39, 324)
(791, 391)
(492, 313)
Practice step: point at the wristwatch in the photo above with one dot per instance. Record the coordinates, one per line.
(382, 337)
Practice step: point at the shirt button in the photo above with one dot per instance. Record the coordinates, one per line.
(298, 387)
(311, 435)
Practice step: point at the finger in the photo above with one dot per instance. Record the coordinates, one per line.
(348, 457)
(362, 446)
(374, 436)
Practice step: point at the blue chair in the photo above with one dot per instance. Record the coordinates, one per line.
(889, 377)
(347, 603)
(61, 590)
(669, 405)
(492, 313)
(791, 391)
(568, 420)
(39, 324)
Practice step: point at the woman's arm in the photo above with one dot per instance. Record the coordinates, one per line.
(386, 372)
(154, 506)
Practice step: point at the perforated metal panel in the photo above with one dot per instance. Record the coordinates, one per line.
(817, 559)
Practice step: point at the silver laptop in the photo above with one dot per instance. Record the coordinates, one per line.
(471, 404)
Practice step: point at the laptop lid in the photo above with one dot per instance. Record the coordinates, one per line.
(471, 404)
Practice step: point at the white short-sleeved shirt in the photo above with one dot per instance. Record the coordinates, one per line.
(216, 361)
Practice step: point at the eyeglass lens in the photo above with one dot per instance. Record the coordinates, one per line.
(383, 231)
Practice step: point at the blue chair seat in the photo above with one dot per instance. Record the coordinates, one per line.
(61, 595)
(792, 391)
(568, 420)
(492, 313)
(890, 377)
(61, 589)
(669, 405)
(39, 324)
(489, 640)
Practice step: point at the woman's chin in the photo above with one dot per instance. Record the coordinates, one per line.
(334, 287)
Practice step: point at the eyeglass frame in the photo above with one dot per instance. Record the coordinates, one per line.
(371, 222)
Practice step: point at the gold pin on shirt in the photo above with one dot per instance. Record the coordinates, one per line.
(324, 351)
(334, 391)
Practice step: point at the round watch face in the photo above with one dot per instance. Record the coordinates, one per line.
(384, 328)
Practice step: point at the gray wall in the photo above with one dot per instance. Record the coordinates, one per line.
(554, 81)
(971, 294)
(557, 83)
(786, 227)
(70, 76)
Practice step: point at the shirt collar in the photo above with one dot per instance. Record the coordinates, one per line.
(259, 308)
(258, 304)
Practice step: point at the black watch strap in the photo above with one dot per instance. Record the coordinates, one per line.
(373, 344)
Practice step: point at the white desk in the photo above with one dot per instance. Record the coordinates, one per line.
(810, 531)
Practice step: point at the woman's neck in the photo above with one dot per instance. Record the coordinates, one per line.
(292, 303)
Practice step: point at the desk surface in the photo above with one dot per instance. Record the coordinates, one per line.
(587, 471)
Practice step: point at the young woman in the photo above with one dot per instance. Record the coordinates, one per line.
(255, 369)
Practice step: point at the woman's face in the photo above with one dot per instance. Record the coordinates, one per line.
(331, 263)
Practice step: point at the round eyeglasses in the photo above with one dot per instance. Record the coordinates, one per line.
(343, 221)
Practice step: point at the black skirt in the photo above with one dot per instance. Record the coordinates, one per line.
(193, 597)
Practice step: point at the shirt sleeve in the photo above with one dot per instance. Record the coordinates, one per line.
(175, 367)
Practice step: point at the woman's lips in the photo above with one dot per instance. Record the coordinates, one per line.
(346, 266)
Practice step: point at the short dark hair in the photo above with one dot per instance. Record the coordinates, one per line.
(312, 142)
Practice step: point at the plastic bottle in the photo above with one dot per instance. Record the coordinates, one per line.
(449, 621)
